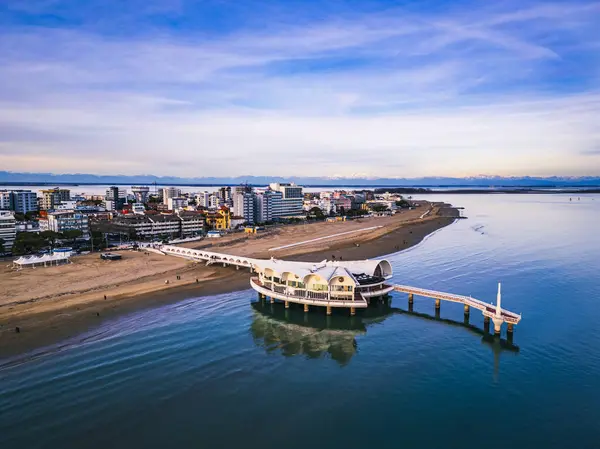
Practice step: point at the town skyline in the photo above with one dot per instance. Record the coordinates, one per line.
(347, 89)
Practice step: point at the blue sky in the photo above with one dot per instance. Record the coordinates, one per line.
(337, 88)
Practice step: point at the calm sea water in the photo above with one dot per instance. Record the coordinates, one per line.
(225, 371)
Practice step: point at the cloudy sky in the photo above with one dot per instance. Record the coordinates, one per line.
(299, 87)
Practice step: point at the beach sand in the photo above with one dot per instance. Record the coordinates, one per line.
(55, 303)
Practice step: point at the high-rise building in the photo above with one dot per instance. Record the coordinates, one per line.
(140, 193)
(116, 196)
(68, 221)
(265, 203)
(202, 199)
(291, 201)
(248, 207)
(8, 229)
(177, 203)
(5, 200)
(224, 194)
(214, 201)
(238, 199)
(170, 192)
(53, 197)
(24, 201)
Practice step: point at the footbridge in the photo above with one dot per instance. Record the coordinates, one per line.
(198, 255)
(337, 295)
(489, 311)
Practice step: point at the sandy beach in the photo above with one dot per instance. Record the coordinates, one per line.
(51, 304)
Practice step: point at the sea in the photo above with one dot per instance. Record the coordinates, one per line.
(228, 371)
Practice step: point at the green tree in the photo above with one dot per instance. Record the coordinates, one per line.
(50, 237)
(98, 241)
(28, 242)
(403, 203)
(379, 208)
(317, 213)
(72, 234)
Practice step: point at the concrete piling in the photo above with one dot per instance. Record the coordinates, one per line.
(352, 311)
(305, 307)
(328, 310)
(287, 304)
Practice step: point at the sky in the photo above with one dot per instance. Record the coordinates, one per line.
(340, 88)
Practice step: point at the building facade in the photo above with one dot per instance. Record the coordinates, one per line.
(53, 197)
(117, 196)
(170, 192)
(202, 199)
(292, 200)
(177, 203)
(8, 229)
(68, 221)
(21, 201)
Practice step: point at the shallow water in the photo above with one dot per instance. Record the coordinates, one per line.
(226, 371)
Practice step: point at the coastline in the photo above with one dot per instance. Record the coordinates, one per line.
(49, 320)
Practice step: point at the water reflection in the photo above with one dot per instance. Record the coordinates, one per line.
(315, 335)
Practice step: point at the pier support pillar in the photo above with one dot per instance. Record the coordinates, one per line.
(437, 304)
(328, 310)
(352, 311)
(410, 306)
(272, 300)
(510, 332)
(287, 304)
(306, 307)
(410, 298)
(497, 325)
(486, 323)
(237, 267)
(467, 310)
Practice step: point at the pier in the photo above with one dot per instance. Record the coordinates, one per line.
(338, 284)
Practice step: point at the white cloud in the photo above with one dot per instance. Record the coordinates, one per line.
(388, 94)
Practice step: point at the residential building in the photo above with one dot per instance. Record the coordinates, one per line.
(53, 197)
(265, 203)
(192, 224)
(291, 200)
(248, 207)
(118, 197)
(66, 205)
(220, 220)
(154, 225)
(140, 193)
(109, 205)
(224, 194)
(21, 201)
(68, 221)
(8, 229)
(176, 203)
(138, 209)
(202, 199)
(214, 201)
(170, 192)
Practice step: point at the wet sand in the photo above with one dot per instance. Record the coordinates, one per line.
(52, 304)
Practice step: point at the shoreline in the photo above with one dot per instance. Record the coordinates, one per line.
(71, 317)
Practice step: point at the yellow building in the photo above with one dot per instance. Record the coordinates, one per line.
(220, 220)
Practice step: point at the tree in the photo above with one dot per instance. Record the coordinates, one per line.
(28, 242)
(317, 213)
(50, 237)
(403, 203)
(379, 208)
(72, 234)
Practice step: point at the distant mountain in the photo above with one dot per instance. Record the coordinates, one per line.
(478, 181)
